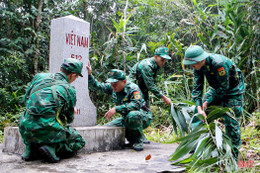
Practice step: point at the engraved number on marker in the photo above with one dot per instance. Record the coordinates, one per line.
(79, 57)
(78, 111)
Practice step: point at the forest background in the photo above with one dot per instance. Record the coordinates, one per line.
(125, 32)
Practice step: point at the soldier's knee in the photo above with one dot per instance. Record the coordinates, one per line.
(133, 119)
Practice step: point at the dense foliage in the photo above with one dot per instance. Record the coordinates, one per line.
(124, 32)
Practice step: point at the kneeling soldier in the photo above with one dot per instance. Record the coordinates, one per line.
(50, 101)
(129, 103)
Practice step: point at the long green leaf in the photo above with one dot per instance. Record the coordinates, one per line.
(219, 138)
(216, 113)
(182, 121)
(183, 151)
(201, 144)
(186, 114)
(176, 119)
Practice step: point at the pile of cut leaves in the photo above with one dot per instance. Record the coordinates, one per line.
(205, 148)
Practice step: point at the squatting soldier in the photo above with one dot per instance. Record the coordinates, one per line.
(50, 101)
(129, 103)
(226, 88)
(144, 72)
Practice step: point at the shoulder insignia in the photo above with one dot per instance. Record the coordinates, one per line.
(137, 95)
(221, 71)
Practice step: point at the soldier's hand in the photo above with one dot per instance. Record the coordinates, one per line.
(110, 113)
(89, 68)
(201, 111)
(167, 100)
(205, 105)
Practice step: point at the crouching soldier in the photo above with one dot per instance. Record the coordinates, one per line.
(50, 101)
(129, 103)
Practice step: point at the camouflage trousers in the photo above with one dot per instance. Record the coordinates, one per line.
(232, 127)
(134, 123)
(42, 130)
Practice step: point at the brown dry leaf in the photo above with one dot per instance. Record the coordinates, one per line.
(148, 157)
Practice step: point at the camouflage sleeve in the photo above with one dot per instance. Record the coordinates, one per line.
(198, 83)
(147, 75)
(222, 71)
(101, 87)
(132, 74)
(135, 103)
(71, 102)
(210, 95)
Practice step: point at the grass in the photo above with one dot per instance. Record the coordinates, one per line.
(250, 149)
(162, 135)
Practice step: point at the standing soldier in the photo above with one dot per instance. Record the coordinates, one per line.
(226, 88)
(129, 103)
(50, 101)
(144, 72)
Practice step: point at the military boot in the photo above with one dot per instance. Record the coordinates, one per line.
(49, 153)
(138, 146)
(145, 140)
(30, 153)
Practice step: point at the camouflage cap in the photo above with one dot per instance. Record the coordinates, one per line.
(162, 52)
(116, 75)
(73, 65)
(194, 54)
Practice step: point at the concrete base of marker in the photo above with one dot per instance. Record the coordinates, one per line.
(98, 138)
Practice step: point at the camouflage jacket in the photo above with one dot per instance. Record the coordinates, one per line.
(46, 95)
(223, 76)
(49, 99)
(143, 74)
(129, 99)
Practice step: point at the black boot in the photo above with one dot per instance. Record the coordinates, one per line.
(31, 153)
(49, 153)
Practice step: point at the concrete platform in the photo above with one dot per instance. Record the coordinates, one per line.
(98, 138)
(117, 161)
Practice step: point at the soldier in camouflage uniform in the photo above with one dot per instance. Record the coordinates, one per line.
(227, 86)
(129, 103)
(50, 101)
(144, 72)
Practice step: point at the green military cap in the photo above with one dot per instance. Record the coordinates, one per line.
(162, 52)
(116, 75)
(73, 65)
(194, 54)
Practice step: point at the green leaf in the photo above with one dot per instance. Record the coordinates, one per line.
(216, 113)
(176, 119)
(219, 138)
(182, 121)
(201, 145)
(186, 114)
(183, 150)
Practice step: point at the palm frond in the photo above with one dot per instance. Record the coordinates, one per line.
(211, 147)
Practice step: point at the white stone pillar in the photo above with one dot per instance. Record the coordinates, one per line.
(70, 39)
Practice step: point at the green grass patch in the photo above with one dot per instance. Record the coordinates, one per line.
(164, 135)
(250, 149)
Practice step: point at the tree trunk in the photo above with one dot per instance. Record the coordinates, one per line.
(36, 51)
(125, 17)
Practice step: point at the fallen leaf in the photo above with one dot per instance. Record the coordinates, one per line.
(148, 157)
